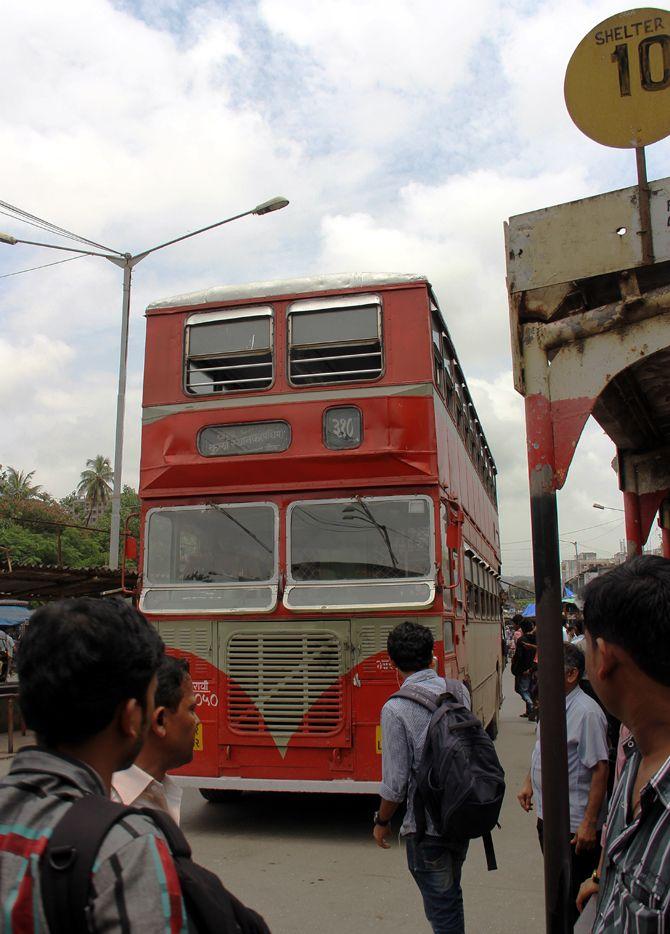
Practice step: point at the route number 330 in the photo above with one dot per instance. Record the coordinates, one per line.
(343, 428)
(617, 84)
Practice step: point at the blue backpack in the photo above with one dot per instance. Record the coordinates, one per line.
(460, 783)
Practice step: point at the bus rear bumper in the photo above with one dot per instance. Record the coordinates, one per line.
(337, 786)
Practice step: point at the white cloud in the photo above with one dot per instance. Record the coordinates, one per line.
(402, 134)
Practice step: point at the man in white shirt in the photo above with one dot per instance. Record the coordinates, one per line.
(588, 766)
(169, 744)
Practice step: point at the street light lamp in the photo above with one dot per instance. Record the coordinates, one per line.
(612, 508)
(127, 261)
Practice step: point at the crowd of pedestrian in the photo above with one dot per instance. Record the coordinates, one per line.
(89, 837)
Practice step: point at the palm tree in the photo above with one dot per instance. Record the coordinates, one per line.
(95, 484)
(16, 483)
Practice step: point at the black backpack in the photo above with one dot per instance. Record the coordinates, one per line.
(460, 782)
(67, 863)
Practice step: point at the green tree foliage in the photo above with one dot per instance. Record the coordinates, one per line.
(17, 485)
(96, 481)
(32, 522)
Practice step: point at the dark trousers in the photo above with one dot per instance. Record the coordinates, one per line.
(581, 866)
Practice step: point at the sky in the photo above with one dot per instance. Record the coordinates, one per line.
(403, 133)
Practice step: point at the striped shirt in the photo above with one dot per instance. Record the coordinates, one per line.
(134, 886)
(404, 729)
(634, 896)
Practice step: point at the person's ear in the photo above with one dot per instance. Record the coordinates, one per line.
(158, 722)
(607, 659)
(131, 718)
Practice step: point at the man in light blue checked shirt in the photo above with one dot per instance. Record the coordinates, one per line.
(588, 767)
(434, 864)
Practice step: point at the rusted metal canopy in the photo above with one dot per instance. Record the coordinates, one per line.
(46, 583)
(582, 301)
(590, 328)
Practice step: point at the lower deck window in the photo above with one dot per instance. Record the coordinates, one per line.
(382, 548)
(202, 558)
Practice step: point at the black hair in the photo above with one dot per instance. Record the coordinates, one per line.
(80, 659)
(573, 657)
(527, 624)
(630, 607)
(170, 685)
(516, 619)
(410, 646)
(576, 624)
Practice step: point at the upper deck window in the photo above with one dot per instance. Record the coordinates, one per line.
(228, 351)
(336, 340)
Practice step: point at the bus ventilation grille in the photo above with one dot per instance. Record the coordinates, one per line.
(285, 683)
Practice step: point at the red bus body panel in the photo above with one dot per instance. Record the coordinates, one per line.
(410, 445)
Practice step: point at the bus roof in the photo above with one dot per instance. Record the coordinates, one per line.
(276, 287)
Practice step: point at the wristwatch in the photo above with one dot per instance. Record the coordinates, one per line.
(379, 822)
(595, 877)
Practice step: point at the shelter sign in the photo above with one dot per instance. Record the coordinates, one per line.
(617, 86)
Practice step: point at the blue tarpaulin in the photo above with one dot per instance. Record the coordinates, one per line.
(530, 610)
(14, 615)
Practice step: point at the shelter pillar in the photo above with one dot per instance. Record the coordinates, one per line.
(547, 572)
(634, 543)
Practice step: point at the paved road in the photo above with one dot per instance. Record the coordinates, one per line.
(308, 863)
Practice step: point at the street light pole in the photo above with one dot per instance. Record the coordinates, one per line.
(127, 261)
(115, 526)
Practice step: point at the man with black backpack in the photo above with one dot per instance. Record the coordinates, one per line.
(71, 860)
(437, 757)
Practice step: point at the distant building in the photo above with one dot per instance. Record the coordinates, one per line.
(80, 508)
(590, 566)
(572, 566)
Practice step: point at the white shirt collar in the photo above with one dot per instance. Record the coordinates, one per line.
(130, 786)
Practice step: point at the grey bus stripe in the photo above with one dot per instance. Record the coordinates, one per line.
(153, 413)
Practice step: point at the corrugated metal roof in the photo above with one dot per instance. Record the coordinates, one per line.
(275, 287)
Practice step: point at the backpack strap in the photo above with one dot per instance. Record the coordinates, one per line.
(179, 846)
(67, 863)
(490, 853)
(415, 693)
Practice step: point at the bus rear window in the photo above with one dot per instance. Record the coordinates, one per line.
(222, 557)
(372, 552)
(335, 341)
(361, 539)
(229, 351)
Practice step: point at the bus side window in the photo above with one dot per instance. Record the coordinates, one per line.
(469, 585)
(449, 572)
(438, 361)
(448, 636)
(458, 575)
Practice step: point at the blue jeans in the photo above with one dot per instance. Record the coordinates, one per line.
(437, 871)
(523, 688)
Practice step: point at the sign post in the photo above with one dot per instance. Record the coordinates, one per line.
(617, 91)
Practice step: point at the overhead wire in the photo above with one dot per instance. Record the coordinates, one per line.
(525, 541)
(58, 262)
(43, 224)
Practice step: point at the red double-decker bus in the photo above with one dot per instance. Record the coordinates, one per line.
(313, 472)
